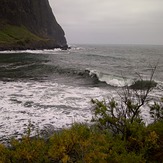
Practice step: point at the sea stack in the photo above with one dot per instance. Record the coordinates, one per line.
(29, 24)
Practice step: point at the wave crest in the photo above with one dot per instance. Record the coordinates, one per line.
(108, 79)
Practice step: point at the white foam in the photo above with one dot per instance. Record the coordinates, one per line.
(45, 51)
(111, 80)
(43, 103)
(117, 82)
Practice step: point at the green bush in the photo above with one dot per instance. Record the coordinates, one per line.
(80, 143)
(156, 110)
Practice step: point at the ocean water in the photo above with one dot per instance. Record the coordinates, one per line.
(53, 88)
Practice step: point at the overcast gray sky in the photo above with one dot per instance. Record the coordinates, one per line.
(110, 21)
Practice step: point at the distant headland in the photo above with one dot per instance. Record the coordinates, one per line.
(29, 24)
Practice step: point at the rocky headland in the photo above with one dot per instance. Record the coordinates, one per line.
(29, 24)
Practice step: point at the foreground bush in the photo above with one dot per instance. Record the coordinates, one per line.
(78, 144)
(81, 143)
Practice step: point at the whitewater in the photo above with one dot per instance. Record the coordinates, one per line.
(53, 88)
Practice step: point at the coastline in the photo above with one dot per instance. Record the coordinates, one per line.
(38, 45)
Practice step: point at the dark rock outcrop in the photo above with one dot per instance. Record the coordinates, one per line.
(37, 17)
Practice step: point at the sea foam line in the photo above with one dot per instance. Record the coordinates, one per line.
(31, 51)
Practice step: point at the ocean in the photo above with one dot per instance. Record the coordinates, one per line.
(54, 88)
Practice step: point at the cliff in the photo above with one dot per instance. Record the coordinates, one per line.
(29, 24)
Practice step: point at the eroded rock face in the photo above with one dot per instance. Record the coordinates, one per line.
(36, 16)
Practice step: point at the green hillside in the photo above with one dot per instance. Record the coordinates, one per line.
(10, 34)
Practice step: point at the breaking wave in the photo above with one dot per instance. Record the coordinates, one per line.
(109, 79)
(45, 70)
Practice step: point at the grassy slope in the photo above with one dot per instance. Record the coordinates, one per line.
(10, 34)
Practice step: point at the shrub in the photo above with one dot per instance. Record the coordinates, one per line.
(28, 149)
(4, 154)
(156, 111)
(124, 118)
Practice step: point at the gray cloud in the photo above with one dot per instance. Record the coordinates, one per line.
(110, 21)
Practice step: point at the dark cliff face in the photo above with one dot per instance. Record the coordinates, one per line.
(36, 16)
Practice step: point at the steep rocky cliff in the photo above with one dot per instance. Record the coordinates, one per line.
(29, 24)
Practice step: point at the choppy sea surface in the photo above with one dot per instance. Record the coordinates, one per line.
(54, 87)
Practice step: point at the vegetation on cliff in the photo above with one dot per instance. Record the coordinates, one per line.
(17, 36)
